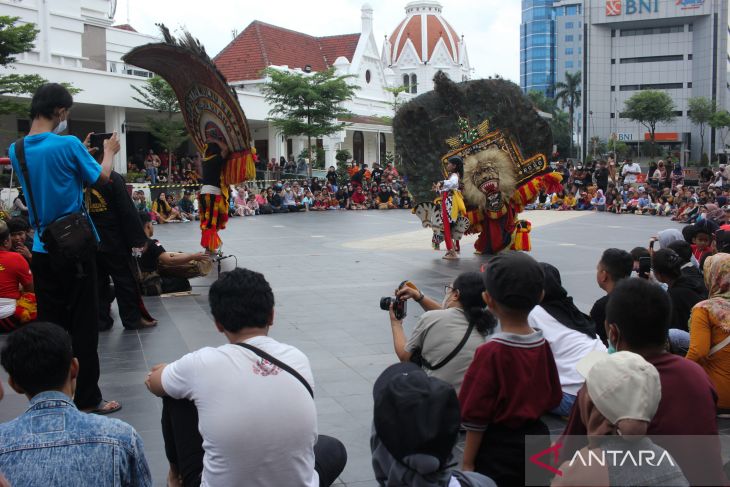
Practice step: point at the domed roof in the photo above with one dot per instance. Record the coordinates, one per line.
(424, 26)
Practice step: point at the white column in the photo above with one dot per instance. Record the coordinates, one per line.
(274, 138)
(114, 119)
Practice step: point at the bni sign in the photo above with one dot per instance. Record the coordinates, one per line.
(631, 7)
(623, 137)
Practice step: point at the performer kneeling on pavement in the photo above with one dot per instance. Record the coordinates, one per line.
(213, 200)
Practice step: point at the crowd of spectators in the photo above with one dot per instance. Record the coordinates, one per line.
(662, 190)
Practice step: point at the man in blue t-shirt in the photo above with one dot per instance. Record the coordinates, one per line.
(58, 168)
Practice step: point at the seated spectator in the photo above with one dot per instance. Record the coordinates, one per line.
(239, 202)
(702, 234)
(214, 426)
(187, 207)
(615, 265)
(252, 206)
(667, 268)
(358, 199)
(570, 333)
(405, 198)
(384, 199)
(157, 267)
(636, 316)
(405, 451)
(722, 239)
(710, 329)
(53, 443)
(140, 202)
(263, 202)
(165, 213)
(512, 380)
(342, 198)
(17, 300)
(19, 229)
(584, 202)
(622, 396)
(637, 253)
(275, 201)
(446, 336)
(568, 202)
(598, 202)
(556, 201)
(689, 213)
(691, 272)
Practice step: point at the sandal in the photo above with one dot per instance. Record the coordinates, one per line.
(450, 255)
(104, 407)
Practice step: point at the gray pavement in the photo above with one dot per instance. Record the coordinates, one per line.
(327, 287)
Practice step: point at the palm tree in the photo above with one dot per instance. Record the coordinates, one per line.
(568, 93)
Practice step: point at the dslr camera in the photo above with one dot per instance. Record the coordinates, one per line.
(399, 305)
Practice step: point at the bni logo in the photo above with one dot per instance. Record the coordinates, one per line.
(613, 7)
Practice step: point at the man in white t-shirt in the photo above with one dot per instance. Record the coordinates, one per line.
(251, 400)
(630, 172)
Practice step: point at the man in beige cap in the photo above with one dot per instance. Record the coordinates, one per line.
(624, 391)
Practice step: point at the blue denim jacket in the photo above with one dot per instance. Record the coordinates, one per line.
(54, 444)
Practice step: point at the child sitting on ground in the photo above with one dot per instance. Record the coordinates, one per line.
(513, 379)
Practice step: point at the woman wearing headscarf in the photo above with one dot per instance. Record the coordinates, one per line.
(570, 333)
(599, 201)
(714, 213)
(666, 237)
(710, 328)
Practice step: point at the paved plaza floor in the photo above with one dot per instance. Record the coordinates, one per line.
(328, 271)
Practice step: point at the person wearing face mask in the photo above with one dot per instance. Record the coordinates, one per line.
(66, 289)
(637, 318)
(459, 324)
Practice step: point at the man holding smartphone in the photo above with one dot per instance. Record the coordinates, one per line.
(58, 167)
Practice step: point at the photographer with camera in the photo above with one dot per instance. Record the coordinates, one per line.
(447, 334)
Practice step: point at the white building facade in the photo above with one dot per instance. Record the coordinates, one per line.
(676, 46)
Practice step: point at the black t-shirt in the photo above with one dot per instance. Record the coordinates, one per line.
(377, 174)
(602, 177)
(115, 217)
(332, 178)
(598, 315)
(212, 171)
(149, 260)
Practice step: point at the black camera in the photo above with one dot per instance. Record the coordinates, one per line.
(399, 305)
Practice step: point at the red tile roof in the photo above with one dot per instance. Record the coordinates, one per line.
(124, 27)
(261, 45)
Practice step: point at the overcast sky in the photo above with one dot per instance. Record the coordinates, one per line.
(491, 27)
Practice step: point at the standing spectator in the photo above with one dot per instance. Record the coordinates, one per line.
(446, 336)
(17, 301)
(677, 176)
(332, 177)
(377, 173)
(512, 380)
(57, 167)
(659, 177)
(630, 172)
(570, 333)
(151, 165)
(601, 176)
(615, 265)
(213, 421)
(637, 315)
(52, 443)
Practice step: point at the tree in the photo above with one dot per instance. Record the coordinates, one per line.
(569, 94)
(720, 121)
(560, 127)
(700, 113)
(16, 39)
(169, 130)
(396, 92)
(542, 102)
(308, 104)
(648, 108)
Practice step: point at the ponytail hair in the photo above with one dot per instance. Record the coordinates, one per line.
(458, 162)
(471, 286)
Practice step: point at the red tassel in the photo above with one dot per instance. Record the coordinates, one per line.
(210, 240)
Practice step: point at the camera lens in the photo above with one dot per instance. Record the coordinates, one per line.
(385, 303)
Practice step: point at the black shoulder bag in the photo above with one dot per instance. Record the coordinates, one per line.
(69, 236)
(418, 358)
(279, 364)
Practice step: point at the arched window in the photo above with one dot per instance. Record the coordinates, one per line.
(383, 148)
(414, 83)
(358, 147)
(407, 83)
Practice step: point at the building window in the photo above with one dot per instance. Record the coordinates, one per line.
(613, 115)
(652, 30)
(407, 83)
(613, 61)
(571, 10)
(569, 25)
(655, 86)
(568, 64)
(652, 59)
(569, 38)
(689, 57)
(580, 50)
(690, 27)
(414, 83)
(383, 148)
(613, 32)
(568, 51)
(358, 147)
(367, 76)
(613, 87)
(689, 85)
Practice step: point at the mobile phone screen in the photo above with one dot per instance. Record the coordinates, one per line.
(97, 141)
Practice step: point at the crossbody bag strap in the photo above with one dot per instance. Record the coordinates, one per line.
(20, 154)
(719, 346)
(279, 364)
(453, 353)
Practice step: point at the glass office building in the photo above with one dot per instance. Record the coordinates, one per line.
(537, 46)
